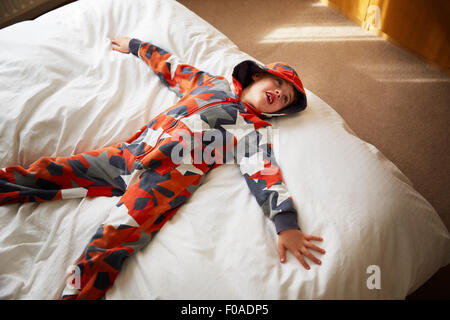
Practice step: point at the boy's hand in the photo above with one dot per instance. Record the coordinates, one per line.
(121, 44)
(296, 242)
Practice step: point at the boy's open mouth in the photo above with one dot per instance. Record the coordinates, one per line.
(269, 97)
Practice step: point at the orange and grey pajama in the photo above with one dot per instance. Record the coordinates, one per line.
(155, 171)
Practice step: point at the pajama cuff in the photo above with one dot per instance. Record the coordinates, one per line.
(286, 220)
(134, 46)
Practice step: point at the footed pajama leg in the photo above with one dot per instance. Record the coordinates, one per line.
(93, 173)
(141, 212)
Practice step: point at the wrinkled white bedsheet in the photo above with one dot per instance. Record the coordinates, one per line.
(63, 91)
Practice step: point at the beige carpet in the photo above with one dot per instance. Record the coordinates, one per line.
(389, 97)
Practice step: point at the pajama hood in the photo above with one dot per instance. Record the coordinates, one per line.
(242, 77)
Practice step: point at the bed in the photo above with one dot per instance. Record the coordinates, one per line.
(63, 91)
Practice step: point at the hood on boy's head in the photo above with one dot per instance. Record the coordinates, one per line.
(243, 72)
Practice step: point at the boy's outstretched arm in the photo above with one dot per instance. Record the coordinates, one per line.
(178, 77)
(298, 243)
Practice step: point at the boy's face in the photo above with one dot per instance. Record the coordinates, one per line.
(268, 93)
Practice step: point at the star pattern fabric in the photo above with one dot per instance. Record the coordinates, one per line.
(157, 169)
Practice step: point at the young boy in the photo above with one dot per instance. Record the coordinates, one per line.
(157, 169)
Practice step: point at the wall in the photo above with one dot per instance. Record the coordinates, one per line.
(419, 26)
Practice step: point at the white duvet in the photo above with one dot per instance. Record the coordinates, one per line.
(63, 91)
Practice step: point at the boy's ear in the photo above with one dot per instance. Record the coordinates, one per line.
(257, 76)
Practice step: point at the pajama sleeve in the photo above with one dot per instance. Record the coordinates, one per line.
(179, 78)
(257, 163)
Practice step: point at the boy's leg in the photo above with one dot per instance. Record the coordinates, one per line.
(93, 173)
(140, 214)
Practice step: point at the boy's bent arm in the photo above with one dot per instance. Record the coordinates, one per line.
(265, 181)
(264, 178)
